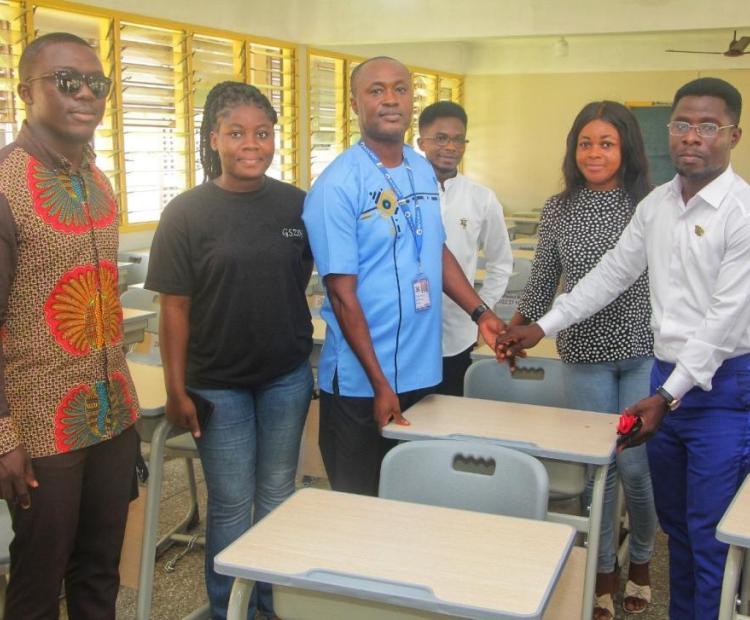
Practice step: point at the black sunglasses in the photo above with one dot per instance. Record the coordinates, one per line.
(70, 81)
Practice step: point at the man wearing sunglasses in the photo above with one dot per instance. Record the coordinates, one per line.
(67, 403)
(693, 234)
(473, 220)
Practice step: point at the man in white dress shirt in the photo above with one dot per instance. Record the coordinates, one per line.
(693, 234)
(473, 219)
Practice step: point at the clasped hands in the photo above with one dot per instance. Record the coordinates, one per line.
(514, 341)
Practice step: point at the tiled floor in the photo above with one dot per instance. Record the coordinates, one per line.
(178, 593)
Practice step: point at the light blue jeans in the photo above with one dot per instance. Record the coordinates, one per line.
(609, 387)
(249, 453)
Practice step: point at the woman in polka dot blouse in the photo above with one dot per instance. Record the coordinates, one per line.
(608, 357)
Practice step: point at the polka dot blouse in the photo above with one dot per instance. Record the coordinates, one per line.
(573, 236)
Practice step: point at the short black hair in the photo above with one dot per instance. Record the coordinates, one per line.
(442, 109)
(31, 51)
(359, 67)
(221, 98)
(713, 87)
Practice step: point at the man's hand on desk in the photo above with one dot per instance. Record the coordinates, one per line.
(181, 412)
(386, 408)
(514, 342)
(16, 476)
(651, 410)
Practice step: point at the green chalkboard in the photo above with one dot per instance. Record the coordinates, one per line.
(653, 121)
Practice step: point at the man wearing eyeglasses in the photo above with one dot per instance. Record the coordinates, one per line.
(473, 220)
(67, 403)
(693, 234)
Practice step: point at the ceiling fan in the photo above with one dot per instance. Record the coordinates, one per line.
(737, 47)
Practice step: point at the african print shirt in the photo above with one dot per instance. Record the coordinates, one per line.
(66, 382)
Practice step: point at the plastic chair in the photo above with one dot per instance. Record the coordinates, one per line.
(536, 382)
(139, 267)
(521, 273)
(468, 475)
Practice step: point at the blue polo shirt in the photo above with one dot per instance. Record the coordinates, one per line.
(356, 228)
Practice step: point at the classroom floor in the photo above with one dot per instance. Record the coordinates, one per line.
(178, 593)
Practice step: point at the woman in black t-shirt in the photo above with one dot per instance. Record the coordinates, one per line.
(231, 261)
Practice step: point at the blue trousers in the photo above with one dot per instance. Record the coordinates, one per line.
(698, 459)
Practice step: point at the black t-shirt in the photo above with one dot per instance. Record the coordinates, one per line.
(244, 261)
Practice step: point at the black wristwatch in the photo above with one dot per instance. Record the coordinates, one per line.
(672, 402)
(479, 311)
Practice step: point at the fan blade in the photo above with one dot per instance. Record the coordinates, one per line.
(692, 52)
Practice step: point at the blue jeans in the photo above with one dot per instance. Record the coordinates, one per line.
(609, 387)
(249, 453)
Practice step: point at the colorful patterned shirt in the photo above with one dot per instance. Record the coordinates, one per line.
(64, 382)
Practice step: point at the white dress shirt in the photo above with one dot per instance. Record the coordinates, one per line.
(698, 258)
(473, 219)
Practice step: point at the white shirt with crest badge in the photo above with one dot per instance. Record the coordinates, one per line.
(698, 258)
(473, 219)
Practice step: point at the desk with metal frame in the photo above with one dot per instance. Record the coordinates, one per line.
(547, 432)
(734, 529)
(440, 560)
(134, 323)
(154, 428)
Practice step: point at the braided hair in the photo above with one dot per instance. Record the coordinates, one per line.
(221, 98)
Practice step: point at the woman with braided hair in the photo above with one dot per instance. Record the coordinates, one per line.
(231, 261)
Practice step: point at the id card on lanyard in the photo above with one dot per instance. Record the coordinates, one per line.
(421, 284)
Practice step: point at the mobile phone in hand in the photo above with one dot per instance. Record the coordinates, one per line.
(203, 408)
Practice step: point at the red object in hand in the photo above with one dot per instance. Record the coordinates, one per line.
(626, 423)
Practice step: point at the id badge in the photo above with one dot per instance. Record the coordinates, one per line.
(421, 286)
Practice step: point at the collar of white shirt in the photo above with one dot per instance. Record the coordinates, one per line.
(712, 194)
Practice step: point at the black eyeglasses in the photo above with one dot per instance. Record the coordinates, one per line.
(70, 81)
(442, 139)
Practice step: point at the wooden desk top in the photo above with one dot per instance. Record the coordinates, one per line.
(426, 557)
(533, 219)
(132, 314)
(319, 331)
(734, 527)
(527, 254)
(546, 348)
(548, 432)
(149, 385)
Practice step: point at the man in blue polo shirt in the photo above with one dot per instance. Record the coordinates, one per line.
(374, 224)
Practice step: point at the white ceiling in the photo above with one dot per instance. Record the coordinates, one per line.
(342, 22)
(486, 36)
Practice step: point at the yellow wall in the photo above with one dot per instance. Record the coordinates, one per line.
(518, 124)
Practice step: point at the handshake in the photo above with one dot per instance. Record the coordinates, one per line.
(514, 340)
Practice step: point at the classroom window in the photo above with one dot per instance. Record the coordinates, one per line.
(148, 143)
(11, 36)
(333, 125)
